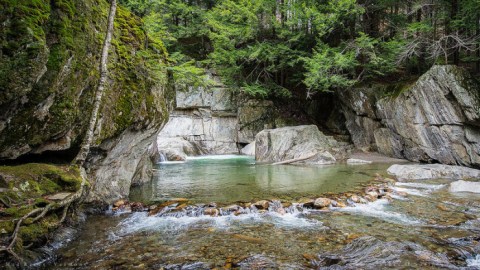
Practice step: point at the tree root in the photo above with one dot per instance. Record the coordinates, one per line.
(39, 213)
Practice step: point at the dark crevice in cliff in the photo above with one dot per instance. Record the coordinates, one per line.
(51, 157)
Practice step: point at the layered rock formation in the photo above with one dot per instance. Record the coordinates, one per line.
(211, 121)
(436, 119)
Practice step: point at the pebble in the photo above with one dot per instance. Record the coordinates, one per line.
(262, 205)
(322, 203)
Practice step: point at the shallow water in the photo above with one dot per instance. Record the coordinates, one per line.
(429, 228)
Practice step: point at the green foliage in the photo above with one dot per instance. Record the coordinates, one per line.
(330, 68)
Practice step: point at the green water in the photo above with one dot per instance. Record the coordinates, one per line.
(236, 178)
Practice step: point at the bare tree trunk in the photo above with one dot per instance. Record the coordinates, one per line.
(87, 141)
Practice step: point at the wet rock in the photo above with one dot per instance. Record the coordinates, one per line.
(442, 207)
(371, 198)
(371, 253)
(248, 238)
(306, 202)
(308, 257)
(322, 203)
(355, 199)
(262, 205)
(257, 262)
(341, 204)
(432, 171)
(211, 212)
(138, 207)
(373, 193)
(465, 186)
(286, 204)
(119, 203)
(231, 208)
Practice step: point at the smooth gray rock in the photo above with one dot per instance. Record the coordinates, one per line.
(171, 149)
(432, 171)
(114, 173)
(281, 144)
(465, 186)
(193, 97)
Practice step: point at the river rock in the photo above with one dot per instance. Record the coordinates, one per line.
(432, 171)
(465, 186)
(322, 203)
(262, 205)
(287, 143)
(211, 212)
(435, 119)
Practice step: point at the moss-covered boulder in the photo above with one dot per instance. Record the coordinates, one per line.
(49, 55)
(27, 187)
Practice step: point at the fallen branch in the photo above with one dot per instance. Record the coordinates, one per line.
(294, 160)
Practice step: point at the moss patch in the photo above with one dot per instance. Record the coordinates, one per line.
(27, 186)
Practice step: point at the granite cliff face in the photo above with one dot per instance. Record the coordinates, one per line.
(436, 119)
(50, 53)
(216, 120)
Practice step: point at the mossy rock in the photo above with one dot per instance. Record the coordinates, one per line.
(50, 53)
(26, 188)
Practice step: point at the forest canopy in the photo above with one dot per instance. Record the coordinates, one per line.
(280, 47)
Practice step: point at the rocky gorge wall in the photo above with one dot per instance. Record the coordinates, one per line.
(435, 119)
(50, 55)
(213, 120)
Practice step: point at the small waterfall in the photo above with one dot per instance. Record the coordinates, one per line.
(163, 158)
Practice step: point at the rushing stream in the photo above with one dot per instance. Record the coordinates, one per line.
(422, 227)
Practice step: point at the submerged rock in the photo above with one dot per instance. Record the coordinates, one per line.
(371, 253)
(465, 186)
(432, 171)
(322, 203)
(289, 143)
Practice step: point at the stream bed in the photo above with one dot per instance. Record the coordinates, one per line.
(423, 225)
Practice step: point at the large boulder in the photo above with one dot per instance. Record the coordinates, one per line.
(432, 171)
(172, 149)
(288, 143)
(436, 119)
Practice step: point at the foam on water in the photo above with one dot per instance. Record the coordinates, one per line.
(474, 261)
(171, 162)
(420, 185)
(410, 191)
(218, 157)
(378, 210)
(139, 222)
